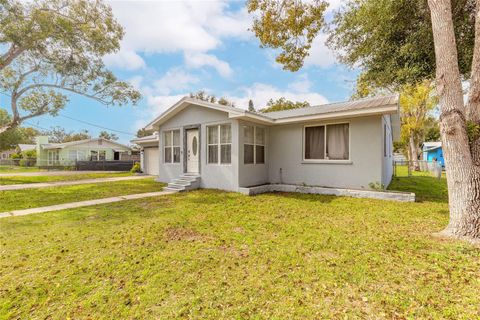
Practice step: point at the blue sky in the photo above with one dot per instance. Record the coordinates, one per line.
(172, 48)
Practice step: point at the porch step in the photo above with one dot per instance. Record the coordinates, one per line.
(187, 181)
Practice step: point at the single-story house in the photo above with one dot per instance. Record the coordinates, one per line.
(66, 154)
(21, 147)
(432, 151)
(342, 145)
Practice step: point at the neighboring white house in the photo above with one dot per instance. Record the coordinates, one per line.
(66, 154)
(344, 145)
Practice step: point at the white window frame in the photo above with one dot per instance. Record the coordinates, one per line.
(219, 144)
(172, 146)
(255, 144)
(341, 161)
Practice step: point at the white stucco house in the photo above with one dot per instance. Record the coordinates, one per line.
(338, 145)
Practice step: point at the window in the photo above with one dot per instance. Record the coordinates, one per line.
(253, 145)
(172, 146)
(102, 155)
(327, 142)
(219, 144)
(93, 155)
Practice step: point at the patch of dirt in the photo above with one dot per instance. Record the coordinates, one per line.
(237, 252)
(184, 234)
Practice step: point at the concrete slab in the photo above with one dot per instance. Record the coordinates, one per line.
(66, 183)
(355, 193)
(86, 203)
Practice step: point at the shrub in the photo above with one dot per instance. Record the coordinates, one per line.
(136, 168)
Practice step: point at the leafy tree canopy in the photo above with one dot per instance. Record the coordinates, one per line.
(108, 135)
(283, 104)
(251, 107)
(202, 95)
(142, 133)
(10, 139)
(49, 48)
(60, 135)
(288, 25)
(392, 40)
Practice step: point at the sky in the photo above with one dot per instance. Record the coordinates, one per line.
(172, 48)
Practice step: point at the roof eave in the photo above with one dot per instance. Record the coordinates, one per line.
(184, 102)
(388, 109)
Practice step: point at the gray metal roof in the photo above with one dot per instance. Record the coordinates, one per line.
(366, 103)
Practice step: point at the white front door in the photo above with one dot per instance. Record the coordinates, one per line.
(193, 147)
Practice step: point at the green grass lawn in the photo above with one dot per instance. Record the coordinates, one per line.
(32, 198)
(73, 177)
(424, 185)
(216, 255)
(13, 169)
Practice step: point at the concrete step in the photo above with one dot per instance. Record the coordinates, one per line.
(176, 186)
(172, 189)
(182, 182)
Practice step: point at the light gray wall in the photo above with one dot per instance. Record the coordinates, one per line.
(387, 161)
(212, 175)
(286, 153)
(252, 174)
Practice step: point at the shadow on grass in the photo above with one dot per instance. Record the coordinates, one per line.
(304, 196)
(426, 189)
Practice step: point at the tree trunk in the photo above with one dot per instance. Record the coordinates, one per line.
(413, 152)
(463, 176)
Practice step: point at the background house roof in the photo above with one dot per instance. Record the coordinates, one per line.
(143, 141)
(74, 143)
(431, 145)
(26, 147)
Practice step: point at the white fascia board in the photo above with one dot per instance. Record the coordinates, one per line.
(391, 109)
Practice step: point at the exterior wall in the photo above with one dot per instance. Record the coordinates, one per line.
(212, 175)
(7, 154)
(365, 166)
(252, 174)
(435, 154)
(387, 151)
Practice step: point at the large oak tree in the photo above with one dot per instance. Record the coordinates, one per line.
(398, 42)
(52, 47)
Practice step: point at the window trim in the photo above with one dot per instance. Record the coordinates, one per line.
(219, 144)
(255, 144)
(328, 161)
(172, 146)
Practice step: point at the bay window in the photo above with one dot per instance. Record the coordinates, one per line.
(253, 145)
(171, 146)
(219, 144)
(327, 142)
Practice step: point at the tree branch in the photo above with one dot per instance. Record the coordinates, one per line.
(56, 86)
(473, 106)
(12, 53)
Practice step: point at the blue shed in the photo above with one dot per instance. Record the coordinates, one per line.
(433, 151)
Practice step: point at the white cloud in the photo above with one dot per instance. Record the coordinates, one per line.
(260, 93)
(174, 79)
(198, 60)
(190, 27)
(302, 84)
(125, 59)
(320, 55)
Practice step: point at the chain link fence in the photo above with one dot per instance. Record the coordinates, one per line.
(404, 168)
